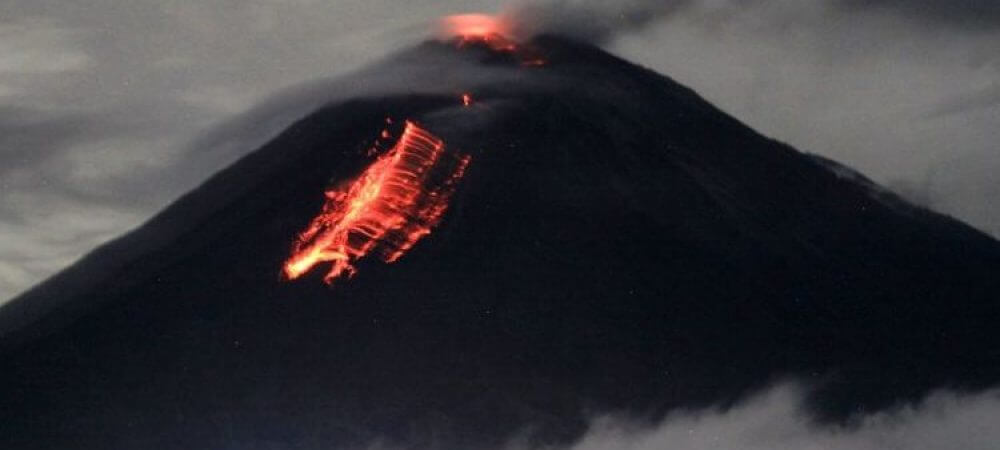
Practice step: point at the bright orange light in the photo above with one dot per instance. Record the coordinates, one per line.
(490, 31)
(473, 26)
(479, 28)
(466, 99)
(387, 209)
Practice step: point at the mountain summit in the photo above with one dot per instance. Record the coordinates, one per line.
(571, 235)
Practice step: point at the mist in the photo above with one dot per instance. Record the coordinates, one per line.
(774, 420)
(588, 20)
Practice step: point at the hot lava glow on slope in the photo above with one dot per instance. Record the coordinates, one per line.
(390, 206)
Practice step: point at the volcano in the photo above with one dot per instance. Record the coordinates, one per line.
(569, 238)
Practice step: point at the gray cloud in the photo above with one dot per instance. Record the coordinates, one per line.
(979, 99)
(971, 14)
(29, 137)
(59, 174)
(773, 421)
(32, 46)
(592, 21)
(598, 21)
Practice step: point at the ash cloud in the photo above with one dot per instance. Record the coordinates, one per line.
(590, 20)
(29, 137)
(968, 14)
(773, 420)
(976, 100)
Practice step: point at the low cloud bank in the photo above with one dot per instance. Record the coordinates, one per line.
(776, 420)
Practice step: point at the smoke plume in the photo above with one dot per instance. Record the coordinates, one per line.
(589, 20)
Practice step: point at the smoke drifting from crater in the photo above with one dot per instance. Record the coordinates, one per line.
(587, 20)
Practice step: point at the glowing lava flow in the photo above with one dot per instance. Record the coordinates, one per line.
(495, 33)
(387, 209)
(479, 28)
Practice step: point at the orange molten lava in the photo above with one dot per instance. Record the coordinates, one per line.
(490, 31)
(385, 210)
(479, 28)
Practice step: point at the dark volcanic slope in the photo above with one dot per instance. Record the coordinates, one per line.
(617, 243)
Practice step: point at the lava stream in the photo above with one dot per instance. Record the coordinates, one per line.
(396, 201)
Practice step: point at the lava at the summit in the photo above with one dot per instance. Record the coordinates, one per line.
(479, 28)
(493, 32)
(386, 209)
